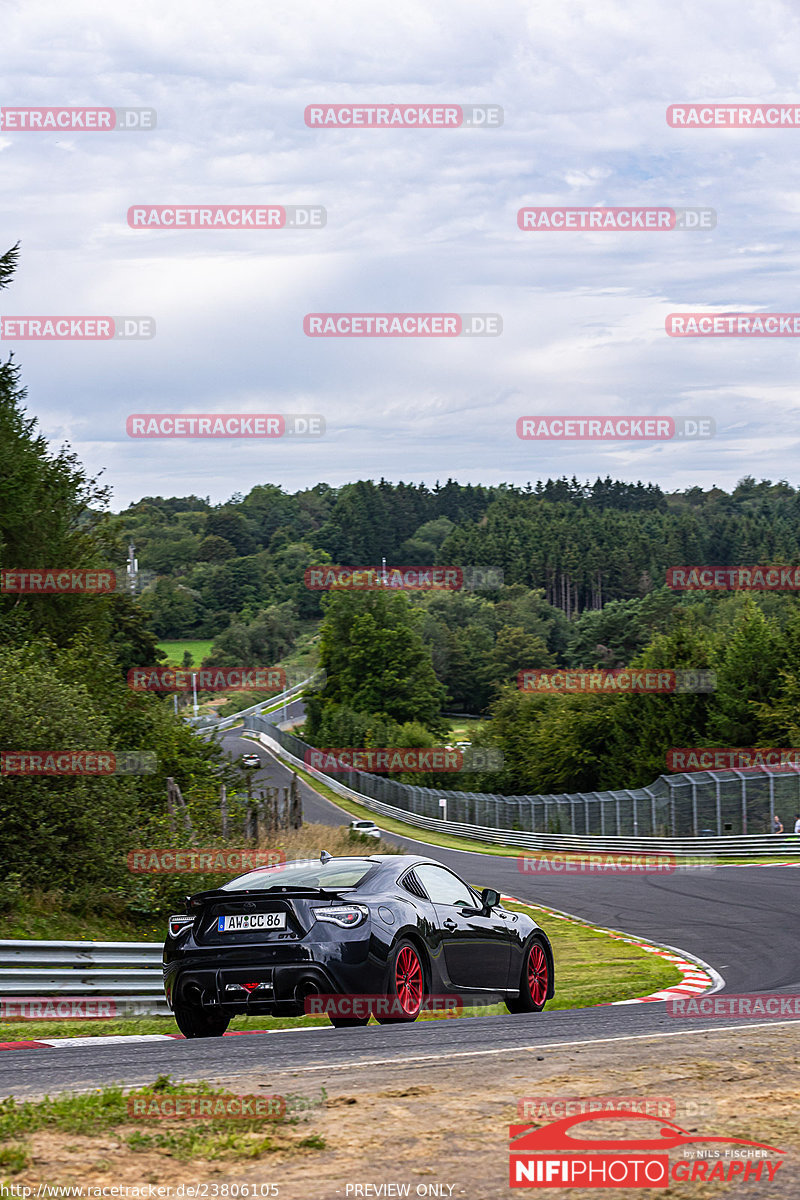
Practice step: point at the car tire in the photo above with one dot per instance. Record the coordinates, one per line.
(194, 1023)
(347, 1022)
(534, 981)
(406, 983)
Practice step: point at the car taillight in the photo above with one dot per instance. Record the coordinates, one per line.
(178, 923)
(343, 915)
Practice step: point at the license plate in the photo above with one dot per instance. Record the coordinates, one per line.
(239, 922)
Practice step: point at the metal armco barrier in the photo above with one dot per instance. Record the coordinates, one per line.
(208, 724)
(413, 801)
(128, 972)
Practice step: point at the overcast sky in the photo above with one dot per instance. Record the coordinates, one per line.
(417, 221)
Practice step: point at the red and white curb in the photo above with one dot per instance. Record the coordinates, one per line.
(698, 976)
(126, 1038)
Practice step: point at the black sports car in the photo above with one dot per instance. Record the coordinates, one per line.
(396, 926)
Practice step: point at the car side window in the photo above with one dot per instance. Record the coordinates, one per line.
(443, 887)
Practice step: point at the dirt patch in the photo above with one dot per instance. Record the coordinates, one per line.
(442, 1128)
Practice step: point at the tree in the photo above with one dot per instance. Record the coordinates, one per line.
(172, 609)
(48, 515)
(232, 527)
(748, 673)
(261, 642)
(63, 664)
(515, 650)
(66, 829)
(376, 661)
(215, 549)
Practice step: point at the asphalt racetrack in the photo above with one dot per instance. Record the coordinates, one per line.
(739, 920)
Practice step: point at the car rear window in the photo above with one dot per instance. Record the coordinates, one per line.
(338, 873)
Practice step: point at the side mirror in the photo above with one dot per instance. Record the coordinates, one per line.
(489, 899)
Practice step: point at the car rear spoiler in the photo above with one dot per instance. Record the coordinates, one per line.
(199, 899)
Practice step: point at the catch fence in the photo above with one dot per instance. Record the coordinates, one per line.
(697, 804)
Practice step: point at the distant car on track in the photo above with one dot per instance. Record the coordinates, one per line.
(365, 829)
(251, 760)
(387, 925)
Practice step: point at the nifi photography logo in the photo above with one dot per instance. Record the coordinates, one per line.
(555, 1156)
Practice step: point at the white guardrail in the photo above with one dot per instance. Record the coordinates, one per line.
(703, 847)
(128, 973)
(263, 707)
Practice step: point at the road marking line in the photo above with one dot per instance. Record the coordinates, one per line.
(633, 1037)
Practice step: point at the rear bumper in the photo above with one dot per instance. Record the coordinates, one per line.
(214, 980)
(230, 989)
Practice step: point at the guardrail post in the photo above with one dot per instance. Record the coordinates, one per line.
(719, 806)
(771, 802)
(652, 810)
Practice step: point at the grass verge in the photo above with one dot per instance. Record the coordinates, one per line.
(111, 1110)
(176, 650)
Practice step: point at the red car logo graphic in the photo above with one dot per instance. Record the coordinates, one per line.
(556, 1136)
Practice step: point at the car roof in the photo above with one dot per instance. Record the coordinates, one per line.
(399, 861)
(404, 861)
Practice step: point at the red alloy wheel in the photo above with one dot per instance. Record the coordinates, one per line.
(408, 981)
(537, 974)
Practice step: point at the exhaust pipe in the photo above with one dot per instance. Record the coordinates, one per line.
(305, 988)
(192, 994)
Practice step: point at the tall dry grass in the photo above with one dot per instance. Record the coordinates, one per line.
(313, 838)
